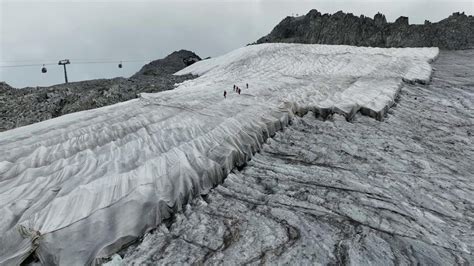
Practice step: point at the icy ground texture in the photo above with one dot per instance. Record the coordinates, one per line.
(397, 192)
(80, 186)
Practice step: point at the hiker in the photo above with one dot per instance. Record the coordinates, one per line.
(238, 91)
(247, 85)
(225, 94)
(235, 87)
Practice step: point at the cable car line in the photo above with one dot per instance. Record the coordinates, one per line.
(120, 62)
(65, 62)
(29, 65)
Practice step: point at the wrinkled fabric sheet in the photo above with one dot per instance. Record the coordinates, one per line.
(79, 187)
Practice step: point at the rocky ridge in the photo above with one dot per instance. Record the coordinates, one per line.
(20, 107)
(453, 33)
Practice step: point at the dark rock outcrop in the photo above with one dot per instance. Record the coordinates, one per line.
(453, 33)
(170, 64)
(4, 87)
(20, 107)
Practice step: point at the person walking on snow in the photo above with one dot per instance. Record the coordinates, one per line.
(247, 85)
(238, 91)
(225, 94)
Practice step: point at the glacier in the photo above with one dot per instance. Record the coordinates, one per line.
(329, 192)
(79, 187)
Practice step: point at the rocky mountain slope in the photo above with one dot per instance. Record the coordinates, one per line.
(20, 107)
(454, 32)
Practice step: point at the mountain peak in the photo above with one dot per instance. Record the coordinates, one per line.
(170, 64)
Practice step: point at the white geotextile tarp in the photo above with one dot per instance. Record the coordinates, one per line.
(78, 187)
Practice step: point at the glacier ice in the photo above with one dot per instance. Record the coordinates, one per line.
(79, 187)
(331, 192)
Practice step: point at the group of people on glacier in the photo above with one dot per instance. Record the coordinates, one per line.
(236, 89)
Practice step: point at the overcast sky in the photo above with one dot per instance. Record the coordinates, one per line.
(45, 31)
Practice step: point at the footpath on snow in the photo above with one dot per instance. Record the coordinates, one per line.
(79, 187)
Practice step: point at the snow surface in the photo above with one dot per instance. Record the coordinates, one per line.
(79, 187)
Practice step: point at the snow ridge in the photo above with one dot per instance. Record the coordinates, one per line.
(79, 187)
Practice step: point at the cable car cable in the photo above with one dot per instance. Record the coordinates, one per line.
(77, 62)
